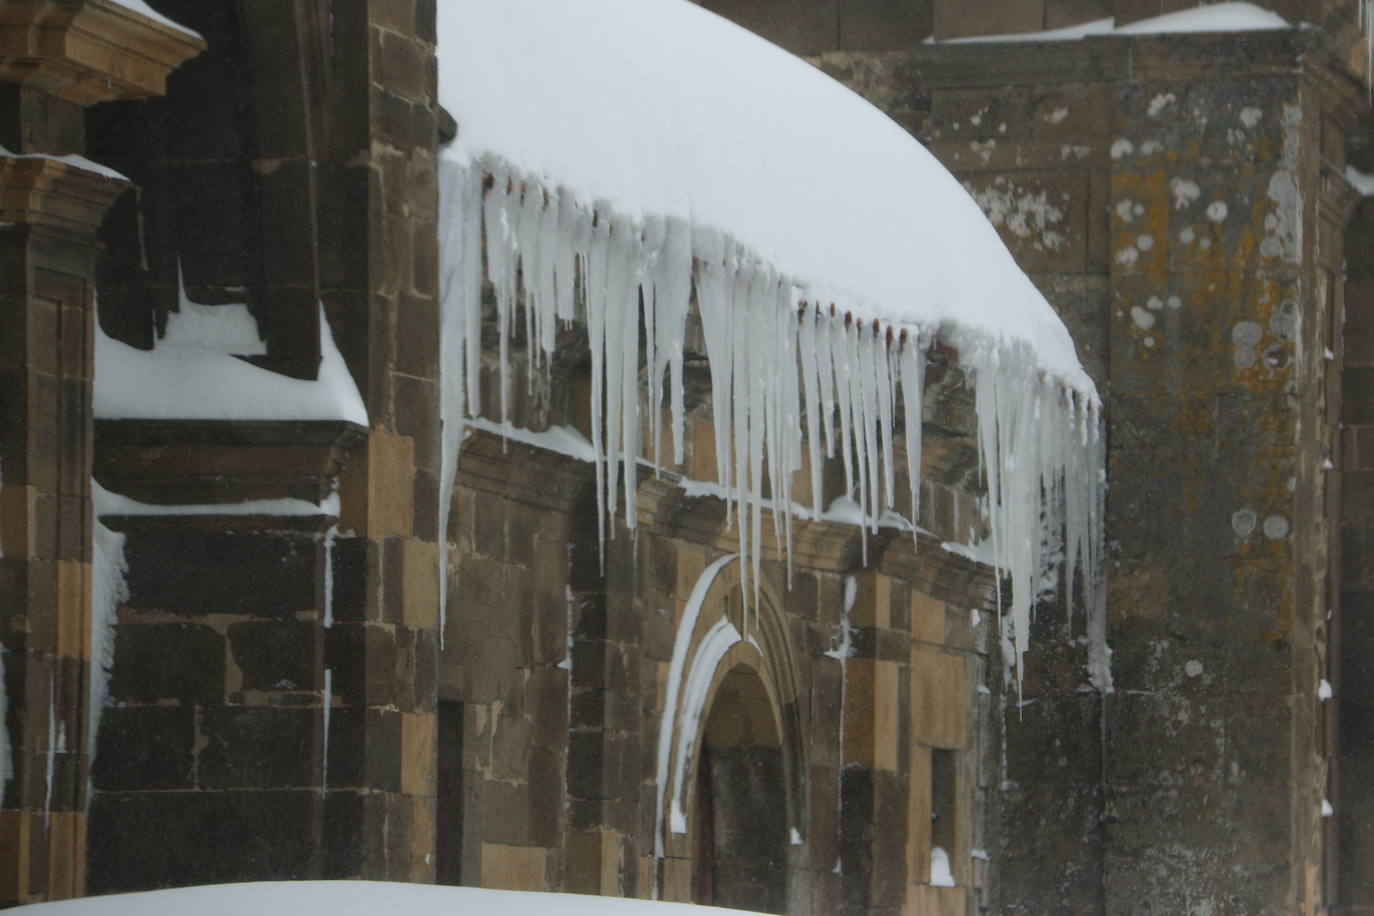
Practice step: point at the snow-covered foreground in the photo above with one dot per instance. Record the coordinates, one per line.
(357, 898)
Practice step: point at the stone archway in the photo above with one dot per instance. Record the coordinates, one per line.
(730, 755)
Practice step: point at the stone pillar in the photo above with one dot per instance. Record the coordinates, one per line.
(55, 58)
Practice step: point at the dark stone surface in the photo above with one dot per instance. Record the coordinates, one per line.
(274, 654)
(145, 840)
(258, 748)
(144, 747)
(167, 661)
(210, 572)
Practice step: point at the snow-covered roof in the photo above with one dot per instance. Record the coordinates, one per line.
(658, 107)
(358, 898)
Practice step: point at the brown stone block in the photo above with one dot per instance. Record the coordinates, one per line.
(702, 433)
(677, 880)
(958, 18)
(691, 563)
(514, 868)
(418, 751)
(14, 855)
(378, 488)
(927, 619)
(884, 25)
(73, 610)
(870, 713)
(919, 812)
(594, 862)
(421, 846)
(1062, 13)
(936, 901)
(18, 506)
(66, 854)
(421, 594)
(939, 699)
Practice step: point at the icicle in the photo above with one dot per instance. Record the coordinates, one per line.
(501, 263)
(913, 364)
(108, 588)
(806, 343)
(672, 296)
(330, 535)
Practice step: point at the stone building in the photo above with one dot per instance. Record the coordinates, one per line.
(286, 697)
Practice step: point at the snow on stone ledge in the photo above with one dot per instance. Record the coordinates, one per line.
(359, 898)
(72, 159)
(1217, 17)
(187, 377)
(143, 9)
(658, 107)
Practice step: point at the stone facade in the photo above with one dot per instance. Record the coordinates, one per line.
(289, 699)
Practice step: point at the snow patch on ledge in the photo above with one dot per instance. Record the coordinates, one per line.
(190, 375)
(143, 9)
(1360, 181)
(1216, 17)
(72, 159)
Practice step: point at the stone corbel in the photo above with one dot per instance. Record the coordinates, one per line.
(88, 51)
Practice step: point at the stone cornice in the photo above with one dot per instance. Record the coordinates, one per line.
(88, 51)
(53, 194)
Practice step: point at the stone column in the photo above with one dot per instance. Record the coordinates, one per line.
(54, 60)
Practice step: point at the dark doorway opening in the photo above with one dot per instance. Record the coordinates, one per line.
(739, 805)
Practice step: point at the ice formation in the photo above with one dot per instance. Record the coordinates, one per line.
(824, 250)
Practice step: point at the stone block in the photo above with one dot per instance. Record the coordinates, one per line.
(987, 17)
(800, 26)
(274, 654)
(939, 699)
(421, 571)
(923, 900)
(418, 753)
(928, 619)
(266, 574)
(251, 747)
(421, 847)
(144, 747)
(594, 862)
(173, 661)
(870, 713)
(884, 25)
(515, 868)
(156, 839)
(919, 812)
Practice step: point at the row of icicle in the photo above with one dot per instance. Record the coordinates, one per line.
(788, 378)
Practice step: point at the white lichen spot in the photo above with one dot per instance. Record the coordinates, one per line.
(1193, 668)
(1246, 333)
(1144, 318)
(1174, 302)
(1076, 151)
(1184, 191)
(1122, 147)
(1216, 211)
(1127, 256)
(1144, 241)
(1161, 102)
(1025, 214)
(1250, 116)
(984, 150)
(1150, 147)
(1187, 235)
(1154, 303)
(1243, 522)
(1205, 244)
(1057, 116)
(977, 118)
(1124, 211)
(1275, 527)
(1138, 209)
(1148, 342)
(1001, 128)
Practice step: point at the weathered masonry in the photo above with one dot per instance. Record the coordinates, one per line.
(286, 698)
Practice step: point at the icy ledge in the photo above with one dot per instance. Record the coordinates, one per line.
(824, 249)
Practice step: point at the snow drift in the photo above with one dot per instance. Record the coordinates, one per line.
(621, 160)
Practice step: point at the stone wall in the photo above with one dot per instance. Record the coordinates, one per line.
(1180, 201)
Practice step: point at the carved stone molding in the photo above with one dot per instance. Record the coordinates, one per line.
(88, 51)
